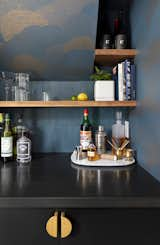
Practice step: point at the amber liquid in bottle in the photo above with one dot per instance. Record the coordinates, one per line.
(91, 153)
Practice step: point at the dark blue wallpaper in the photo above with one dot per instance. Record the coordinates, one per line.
(52, 39)
(55, 40)
(146, 118)
(57, 129)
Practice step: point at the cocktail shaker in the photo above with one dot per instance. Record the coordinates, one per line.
(100, 140)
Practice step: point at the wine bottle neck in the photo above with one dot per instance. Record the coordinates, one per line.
(85, 118)
(7, 125)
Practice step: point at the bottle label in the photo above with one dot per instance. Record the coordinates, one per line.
(91, 153)
(85, 139)
(23, 150)
(7, 146)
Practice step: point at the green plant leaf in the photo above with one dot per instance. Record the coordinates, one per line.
(100, 75)
(97, 69)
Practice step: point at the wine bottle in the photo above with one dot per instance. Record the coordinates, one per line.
(1, 126)
(116, 26)
(107, 41)
(123, 22)
(120, 31)
(1, 122)
(85, 131)
(7, 140)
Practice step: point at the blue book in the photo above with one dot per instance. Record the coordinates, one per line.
(133, 82)
(127, 75)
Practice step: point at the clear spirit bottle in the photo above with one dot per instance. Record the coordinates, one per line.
(23, 149)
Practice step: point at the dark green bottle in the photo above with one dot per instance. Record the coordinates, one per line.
(85, 131)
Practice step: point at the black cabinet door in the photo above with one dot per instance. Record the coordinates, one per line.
(113, 226)
(90, 226)
(25, 227)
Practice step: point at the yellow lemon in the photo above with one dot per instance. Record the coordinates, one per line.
(82, 96)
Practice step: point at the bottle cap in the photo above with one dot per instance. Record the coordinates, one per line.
(85, 111)
(7, 116)
(119, 116)
(20, 120)
(101, 128)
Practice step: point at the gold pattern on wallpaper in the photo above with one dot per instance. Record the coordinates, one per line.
(60, 11)
(55, 13)
(16, 21)
(46, 36)
(29, 63)
(80, 43)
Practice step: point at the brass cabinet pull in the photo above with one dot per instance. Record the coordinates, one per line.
(52, 226)
(66, 226)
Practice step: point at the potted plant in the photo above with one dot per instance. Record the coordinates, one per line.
(104, 87)
(100, 75)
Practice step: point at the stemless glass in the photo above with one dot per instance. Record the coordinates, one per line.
(23, 83)
(15, 93)
(7, 79)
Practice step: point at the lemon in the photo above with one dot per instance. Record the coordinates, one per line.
(74, 97)
(82, 96)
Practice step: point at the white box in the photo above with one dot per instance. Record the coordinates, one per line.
(104, 90)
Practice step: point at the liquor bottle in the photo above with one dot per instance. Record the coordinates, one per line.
(118, 131)
(85, 132)
(127, 136)
(23, 149)
(107, 41)
(123, 22)
(120, 31)
(116, 26)
(91, 153)
(1, 126)
(17, 133)
(127, 130)
(1, 122)
(7, 140)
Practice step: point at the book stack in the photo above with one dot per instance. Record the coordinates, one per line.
(124, 75)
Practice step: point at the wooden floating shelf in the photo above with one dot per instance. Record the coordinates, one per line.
(110, 57)
(66, 103)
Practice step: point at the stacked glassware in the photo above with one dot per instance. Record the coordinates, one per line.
(15, 86)
(21, 88)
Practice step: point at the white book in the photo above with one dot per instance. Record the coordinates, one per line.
(121, 81)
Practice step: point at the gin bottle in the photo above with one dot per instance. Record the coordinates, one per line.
(23, 149)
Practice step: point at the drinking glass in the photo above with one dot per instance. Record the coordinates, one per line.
(22, 82)
(45, 96)
(15, 93)
(7, 79)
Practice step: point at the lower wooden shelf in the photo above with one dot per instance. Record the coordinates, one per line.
(66, 103)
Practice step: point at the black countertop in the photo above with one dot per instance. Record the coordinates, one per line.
(52, 181)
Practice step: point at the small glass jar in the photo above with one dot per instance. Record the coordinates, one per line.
(129, 155)
(91, 153)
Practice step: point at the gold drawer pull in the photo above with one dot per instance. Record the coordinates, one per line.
(66, 226)
(52, 226)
